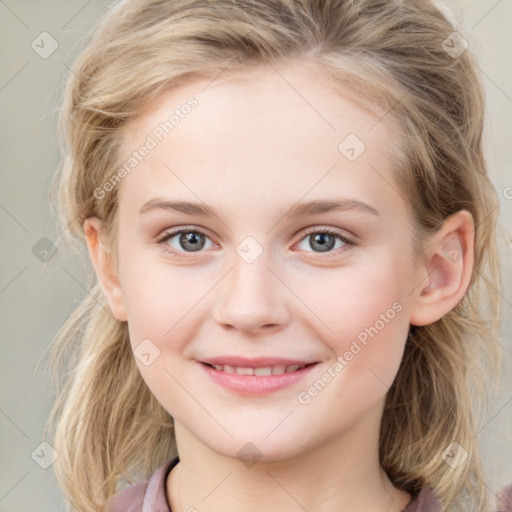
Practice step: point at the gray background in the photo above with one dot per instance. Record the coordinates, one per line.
(33, 304)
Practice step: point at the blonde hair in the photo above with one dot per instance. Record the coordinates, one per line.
(108, 425)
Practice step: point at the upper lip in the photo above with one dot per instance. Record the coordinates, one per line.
(256, 362)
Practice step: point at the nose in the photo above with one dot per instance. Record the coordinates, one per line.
(252, 298)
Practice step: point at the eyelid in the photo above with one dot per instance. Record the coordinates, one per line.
(167, 235)
(331, 231)
(347, 240)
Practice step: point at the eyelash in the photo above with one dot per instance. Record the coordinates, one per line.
(167, 236)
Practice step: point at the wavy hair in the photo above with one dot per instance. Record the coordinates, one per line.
(106, 425)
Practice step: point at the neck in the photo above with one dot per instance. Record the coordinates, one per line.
(341, 474)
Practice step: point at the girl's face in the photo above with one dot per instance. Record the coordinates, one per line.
(258, 282)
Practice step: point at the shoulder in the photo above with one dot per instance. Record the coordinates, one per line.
(425, 502)
(143, 496)
(505, 499)
(129, 499)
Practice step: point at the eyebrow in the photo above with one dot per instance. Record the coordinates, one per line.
(308, 208)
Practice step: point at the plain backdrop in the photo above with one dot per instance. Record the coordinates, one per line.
(35, 304)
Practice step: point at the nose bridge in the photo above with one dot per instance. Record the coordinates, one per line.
(252, 297)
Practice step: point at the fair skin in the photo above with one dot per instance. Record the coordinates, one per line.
(252, 147)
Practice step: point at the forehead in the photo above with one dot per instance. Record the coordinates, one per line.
(268, 96)
(279, 129)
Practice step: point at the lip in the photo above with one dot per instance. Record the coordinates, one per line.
(254, 362)
(255, 385)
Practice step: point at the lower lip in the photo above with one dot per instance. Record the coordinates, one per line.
(256, 384)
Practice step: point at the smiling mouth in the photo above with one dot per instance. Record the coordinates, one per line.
(261, 371)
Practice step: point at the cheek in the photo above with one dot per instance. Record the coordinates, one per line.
(367, 316)
(158, 298)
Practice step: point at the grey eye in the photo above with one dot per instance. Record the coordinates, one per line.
(192, 240)
(187, 240)
(321, 241)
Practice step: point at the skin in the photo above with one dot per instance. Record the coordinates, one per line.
(251, 147)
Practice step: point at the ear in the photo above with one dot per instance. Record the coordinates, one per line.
(448, 269)
(105, 268)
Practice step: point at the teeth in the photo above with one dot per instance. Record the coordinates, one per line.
(264, 371)
(279, 369)
(245, 371)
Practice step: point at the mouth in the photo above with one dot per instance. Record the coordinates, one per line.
(260, 371)
(256, 377)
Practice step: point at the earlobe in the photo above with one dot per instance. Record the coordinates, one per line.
(105, 268)
(448, 270)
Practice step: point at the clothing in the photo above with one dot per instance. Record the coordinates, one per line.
(151, 496)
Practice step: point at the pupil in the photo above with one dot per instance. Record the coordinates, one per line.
(320, 238)
(192, 240)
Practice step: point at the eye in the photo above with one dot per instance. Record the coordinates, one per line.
(190, 240)
(324, 240)
(185, 240)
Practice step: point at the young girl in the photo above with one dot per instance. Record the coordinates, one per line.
(292, 227)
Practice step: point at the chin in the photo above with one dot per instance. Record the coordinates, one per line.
(253, 448)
